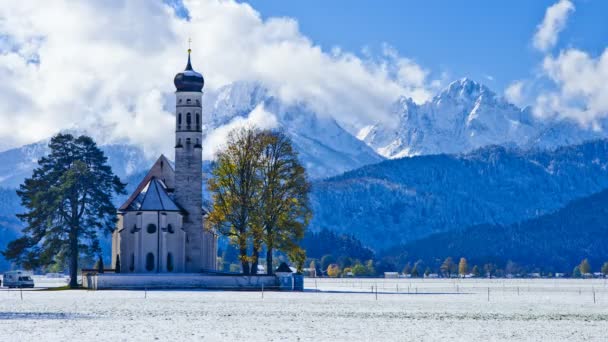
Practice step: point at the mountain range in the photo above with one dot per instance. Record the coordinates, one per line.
(466, 116)
(467, 157)
(552, 243)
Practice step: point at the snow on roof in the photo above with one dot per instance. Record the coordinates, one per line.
(153, 197)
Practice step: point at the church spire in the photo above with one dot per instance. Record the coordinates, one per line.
(189, 66)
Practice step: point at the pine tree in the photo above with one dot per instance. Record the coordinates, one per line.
(475, 271)
(584, 267)
(605, 268)
(576, 273)
(462, 267)
(68, 203)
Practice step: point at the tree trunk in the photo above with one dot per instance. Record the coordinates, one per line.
(269, 269)
(255, 261)
(73, 258)
(244, 262)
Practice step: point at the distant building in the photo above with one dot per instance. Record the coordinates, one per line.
(391, 274)
(160, 227)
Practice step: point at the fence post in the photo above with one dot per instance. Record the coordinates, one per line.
(488, 294)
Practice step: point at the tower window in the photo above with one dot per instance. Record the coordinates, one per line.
(150, 262)
(132, 264)
(169, 262)
(188, 101)
(198, 103)
(151, 228)
(179, 121)
(188, 120)
(198, 121)
(188, 141)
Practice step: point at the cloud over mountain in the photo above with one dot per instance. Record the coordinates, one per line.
(107, 67)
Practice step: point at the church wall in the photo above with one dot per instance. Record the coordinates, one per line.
(143, 233)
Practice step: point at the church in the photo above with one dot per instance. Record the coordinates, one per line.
(160, 227)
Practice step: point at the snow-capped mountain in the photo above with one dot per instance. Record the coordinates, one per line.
(325, 148)
(463, 117)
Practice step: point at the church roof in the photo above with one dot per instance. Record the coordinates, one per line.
(189, 79)
(153, 197)
(157, 184)
(283, 268)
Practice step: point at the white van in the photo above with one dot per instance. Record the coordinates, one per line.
(19, 279)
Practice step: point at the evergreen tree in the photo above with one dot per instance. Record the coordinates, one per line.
(283, 208)
(605, 268)
(99, 265)
(407, 269)
(327, 260)
(68, 203)
(489, 269)
(447, 266)
(584, 267)
(475, 271)
(576, 273)
(462, 267)
(117, 266)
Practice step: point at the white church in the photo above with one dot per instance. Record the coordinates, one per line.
(160, 227)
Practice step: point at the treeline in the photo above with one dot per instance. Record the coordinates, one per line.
(332, 254)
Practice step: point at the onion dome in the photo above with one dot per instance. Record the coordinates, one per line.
(189, 80)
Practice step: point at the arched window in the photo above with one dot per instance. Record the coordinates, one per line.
(170, 228)
(150, 262)
(188, 101)
(179, 121)
(188, 120)
(179, 101)
(132, 264)
(169, 262)
(198, 103)
(198, 121)
(188, 141)
(151, 228)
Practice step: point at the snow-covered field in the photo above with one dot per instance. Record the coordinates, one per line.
(330, 310)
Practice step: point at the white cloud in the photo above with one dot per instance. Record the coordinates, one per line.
(107, 67)
(581, 87)
(553, 23)
(259, 117)
(514, 93)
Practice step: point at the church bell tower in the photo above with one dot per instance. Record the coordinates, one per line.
(188, 161)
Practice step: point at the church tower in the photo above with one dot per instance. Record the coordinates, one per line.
(188, 162)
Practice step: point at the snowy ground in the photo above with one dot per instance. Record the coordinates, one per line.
(341, 310)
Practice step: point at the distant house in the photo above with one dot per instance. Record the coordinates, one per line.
(391, 274)
(534, 275)
(598, 274)
(559, 275)
(431, 275)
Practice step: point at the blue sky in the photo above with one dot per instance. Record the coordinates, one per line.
(330, 55)
(473, 38)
